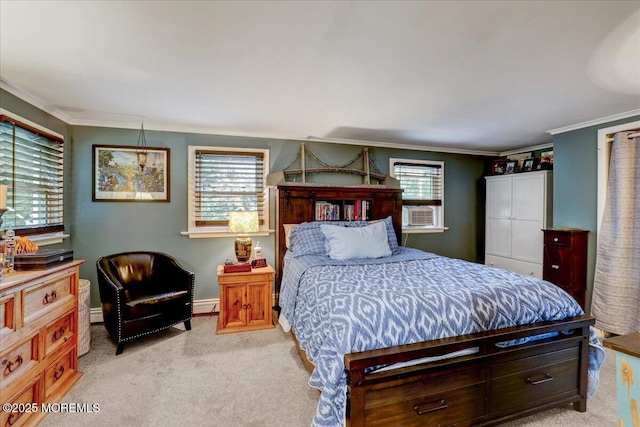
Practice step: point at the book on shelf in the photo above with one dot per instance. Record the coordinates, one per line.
(354, 210)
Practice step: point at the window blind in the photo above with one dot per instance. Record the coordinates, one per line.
(422, 183)
(227, 181)
(31, 165)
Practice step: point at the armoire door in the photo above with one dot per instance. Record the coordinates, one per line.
(498, 216)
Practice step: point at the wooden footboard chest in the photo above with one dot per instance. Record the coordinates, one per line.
(488, 387)
(38, 341)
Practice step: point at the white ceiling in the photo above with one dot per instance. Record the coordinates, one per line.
(461, 75)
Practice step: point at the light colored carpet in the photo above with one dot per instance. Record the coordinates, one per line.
(198, 378)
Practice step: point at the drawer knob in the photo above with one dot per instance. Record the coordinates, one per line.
(555, 266)
(555, 239)
(11, 366)
(441, 405)
(546, 379)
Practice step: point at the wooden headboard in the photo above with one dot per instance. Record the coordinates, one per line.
(296, 204)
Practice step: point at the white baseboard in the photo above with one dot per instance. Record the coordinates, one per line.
(203, 306)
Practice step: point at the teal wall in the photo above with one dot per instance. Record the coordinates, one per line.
(100, 228)
(575, 185)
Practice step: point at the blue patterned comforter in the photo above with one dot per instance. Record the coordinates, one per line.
(340, 307)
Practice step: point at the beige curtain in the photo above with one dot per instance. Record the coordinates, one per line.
(616, 288)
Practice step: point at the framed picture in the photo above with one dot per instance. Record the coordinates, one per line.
(498, 167)
(117, 176)
(510, 166)
(528, 165)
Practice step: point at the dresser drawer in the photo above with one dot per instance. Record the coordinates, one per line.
(557, 238)
(531, 381)
(42, 298)
(7, 315)
(59, 332)
(449, 399)
(59, 371)
(16, 362)
(26, 404)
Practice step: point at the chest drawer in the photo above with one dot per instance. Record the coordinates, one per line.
(27, 399)
(59, 371)
(17, 361)
(557, 238)
(59, 332)
(42, 298)
(7, 315)
(531, 381)
(558, 265)
(441, 401)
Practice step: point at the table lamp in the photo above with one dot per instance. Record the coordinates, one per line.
(243, 223)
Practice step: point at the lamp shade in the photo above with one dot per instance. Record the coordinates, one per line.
(243, 222)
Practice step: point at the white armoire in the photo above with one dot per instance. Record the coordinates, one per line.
(518, 207)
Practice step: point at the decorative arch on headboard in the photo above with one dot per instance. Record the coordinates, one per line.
(307, 163)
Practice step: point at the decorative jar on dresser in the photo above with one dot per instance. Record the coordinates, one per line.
(246, 301)
(38, 340)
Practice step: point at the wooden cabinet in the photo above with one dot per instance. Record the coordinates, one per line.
(245, 300)
(565, 260)
(518, 207)
(38, 339)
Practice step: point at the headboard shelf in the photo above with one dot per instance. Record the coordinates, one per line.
(297, 204)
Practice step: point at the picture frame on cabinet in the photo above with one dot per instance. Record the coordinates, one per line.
(510, 166)
(498, 166)
(528, 165)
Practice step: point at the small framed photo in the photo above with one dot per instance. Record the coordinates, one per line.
(528, 165)
(117, 177)
(510, 166)
(498, 167)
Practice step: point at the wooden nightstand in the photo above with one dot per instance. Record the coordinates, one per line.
(245, 300)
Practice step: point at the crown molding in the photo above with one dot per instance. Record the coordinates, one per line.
(522, 150)
(595, 122)
(36, 102)
(414, 147)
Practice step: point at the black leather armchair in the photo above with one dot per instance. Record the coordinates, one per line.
(142, 293)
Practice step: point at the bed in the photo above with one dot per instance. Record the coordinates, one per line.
(381, 350)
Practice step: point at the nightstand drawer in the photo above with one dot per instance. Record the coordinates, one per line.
(531, 381)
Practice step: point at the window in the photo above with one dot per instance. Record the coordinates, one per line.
(423, 195)
(224, 180)
(31, 165)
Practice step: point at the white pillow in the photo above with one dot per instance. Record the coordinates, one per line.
(357, 242)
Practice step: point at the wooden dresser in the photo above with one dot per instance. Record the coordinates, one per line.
(565, 260)
(38, 340)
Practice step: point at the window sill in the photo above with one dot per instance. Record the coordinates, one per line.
(414, 229)
(213, 234)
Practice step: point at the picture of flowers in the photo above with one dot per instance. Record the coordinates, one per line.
(118, 176)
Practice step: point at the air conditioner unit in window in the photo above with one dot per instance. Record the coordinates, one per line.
(421, 215)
